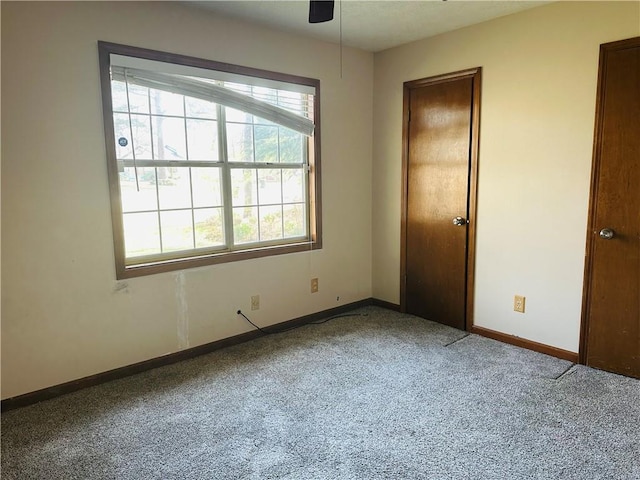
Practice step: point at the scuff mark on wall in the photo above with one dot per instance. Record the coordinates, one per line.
(182, 316)
(121, 287)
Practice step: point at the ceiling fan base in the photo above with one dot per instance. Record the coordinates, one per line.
(321, 11)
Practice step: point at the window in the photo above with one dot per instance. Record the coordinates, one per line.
(207, 162)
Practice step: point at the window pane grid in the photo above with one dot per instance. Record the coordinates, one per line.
(153, 155)
(165, 115)
(229, 234)
(169, 134)
(249, 143)
(158, 212)
(151, 258)
(174, 164)
(155, 150)
(186, 146)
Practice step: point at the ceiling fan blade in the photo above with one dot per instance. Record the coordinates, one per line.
(320, 11)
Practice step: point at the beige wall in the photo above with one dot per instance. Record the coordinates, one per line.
(537, 118)
(64, 316)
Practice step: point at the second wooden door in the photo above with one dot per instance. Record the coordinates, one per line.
(438, 196)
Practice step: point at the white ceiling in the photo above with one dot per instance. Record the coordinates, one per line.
(371, 25)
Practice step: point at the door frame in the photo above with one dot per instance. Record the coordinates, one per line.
(476, 75)
(605, 49)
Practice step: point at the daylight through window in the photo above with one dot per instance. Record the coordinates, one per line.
(207, 164)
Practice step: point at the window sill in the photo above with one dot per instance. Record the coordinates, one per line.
(139, 270)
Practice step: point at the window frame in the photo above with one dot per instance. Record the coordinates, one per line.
(195, 257)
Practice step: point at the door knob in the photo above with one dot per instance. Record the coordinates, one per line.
(459, 221)
(607, 234)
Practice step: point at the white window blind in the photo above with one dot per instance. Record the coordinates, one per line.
(208, 91)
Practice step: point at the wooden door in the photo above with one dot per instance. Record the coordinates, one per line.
(440, 137)
(611, 313)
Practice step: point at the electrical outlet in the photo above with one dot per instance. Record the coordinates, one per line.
(314, 285)
(518, 303)
(255, 302)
